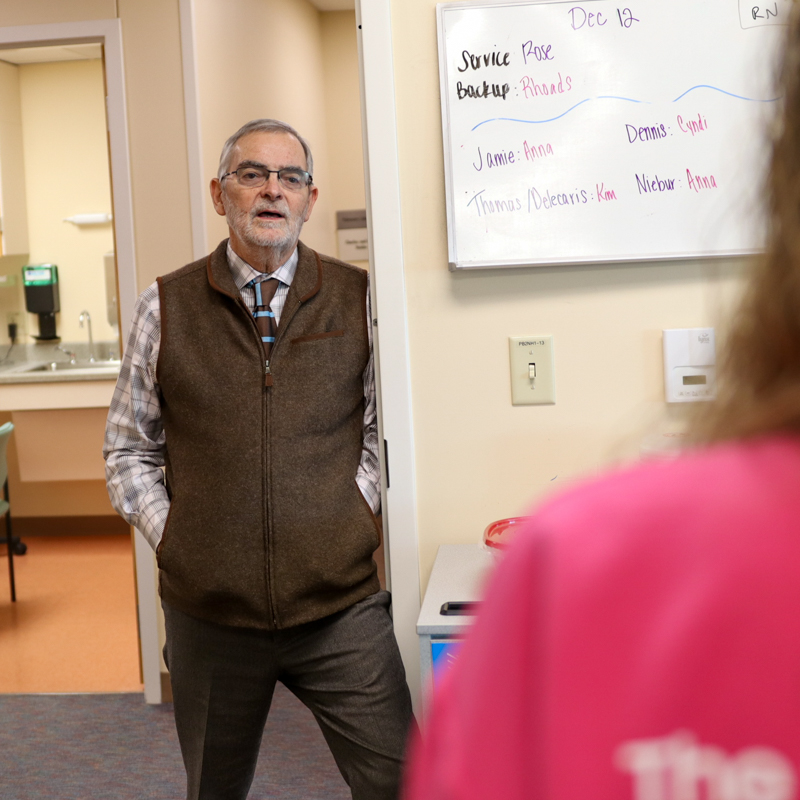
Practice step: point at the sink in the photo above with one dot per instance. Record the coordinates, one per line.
(43, 364)
(61, 366)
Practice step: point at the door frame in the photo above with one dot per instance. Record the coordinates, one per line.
(390, 308)
(108, 32)
(393, 377)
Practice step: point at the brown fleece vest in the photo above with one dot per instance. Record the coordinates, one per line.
(267, 527)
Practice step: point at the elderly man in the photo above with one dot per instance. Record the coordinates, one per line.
(249, 376)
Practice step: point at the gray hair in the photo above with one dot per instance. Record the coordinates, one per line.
(262, 126)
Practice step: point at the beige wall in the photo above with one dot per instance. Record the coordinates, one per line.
(266, 79)
(67, 173)
(42, 12)
(343, 113)
(157, 131)
(157, 138)
(13, 206)
(478, 458)
(318, 95)
(342, 110)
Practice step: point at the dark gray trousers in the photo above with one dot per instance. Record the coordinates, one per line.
(345, 668)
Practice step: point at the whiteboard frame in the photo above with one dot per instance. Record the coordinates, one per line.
(453, 263)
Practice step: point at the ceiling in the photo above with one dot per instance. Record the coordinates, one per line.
(37, 55)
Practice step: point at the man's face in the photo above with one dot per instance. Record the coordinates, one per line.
(269, 215)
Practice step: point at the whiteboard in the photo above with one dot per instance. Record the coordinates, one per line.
(606, 131)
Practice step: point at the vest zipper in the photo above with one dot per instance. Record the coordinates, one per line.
(267, 382)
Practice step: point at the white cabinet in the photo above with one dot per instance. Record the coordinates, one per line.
(459, 574)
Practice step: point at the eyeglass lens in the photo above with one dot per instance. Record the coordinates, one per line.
(289, 177)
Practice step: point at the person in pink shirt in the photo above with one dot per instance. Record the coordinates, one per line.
(641, 639)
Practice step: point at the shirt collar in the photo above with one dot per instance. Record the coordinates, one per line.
(243, 273)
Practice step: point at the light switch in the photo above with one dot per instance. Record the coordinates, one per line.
(532, 376)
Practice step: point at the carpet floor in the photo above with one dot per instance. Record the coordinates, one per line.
(114, 747)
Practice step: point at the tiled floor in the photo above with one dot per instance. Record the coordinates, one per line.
(73, 627)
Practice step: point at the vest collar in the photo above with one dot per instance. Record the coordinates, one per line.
(307, 279)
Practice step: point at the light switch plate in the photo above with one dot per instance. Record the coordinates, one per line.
(532, 374)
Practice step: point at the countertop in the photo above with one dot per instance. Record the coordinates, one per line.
(24, 375)
(31, 364)
(459, 573)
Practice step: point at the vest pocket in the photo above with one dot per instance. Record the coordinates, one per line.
(160, 547)
(375, 525)
(311, 337)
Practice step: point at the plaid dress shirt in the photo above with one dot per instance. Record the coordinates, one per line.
(134, 441)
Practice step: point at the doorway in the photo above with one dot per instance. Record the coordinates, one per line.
(93, 240)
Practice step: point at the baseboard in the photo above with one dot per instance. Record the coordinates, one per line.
(166, 688)
(67, 526)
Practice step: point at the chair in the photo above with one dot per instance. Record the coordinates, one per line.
(5, 508)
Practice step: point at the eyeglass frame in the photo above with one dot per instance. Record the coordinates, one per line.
(253, 164)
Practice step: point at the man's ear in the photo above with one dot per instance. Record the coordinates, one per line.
(312, 198)
(216, 196)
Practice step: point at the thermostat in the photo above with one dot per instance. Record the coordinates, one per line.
(689, 364)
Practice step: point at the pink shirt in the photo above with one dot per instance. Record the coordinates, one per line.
(640, 640)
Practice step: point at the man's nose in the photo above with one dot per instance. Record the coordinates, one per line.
(272, 186)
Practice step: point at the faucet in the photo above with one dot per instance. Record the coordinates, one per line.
(87, 317)
(73, 359)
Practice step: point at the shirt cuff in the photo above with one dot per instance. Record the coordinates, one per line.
(151, 521)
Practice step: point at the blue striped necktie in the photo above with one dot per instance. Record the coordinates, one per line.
(265, 319)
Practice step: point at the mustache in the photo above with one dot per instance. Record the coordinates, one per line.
(277, 208)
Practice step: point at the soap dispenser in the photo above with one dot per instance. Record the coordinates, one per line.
(41, 297)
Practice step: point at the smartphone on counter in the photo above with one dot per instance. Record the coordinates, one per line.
(461, 608)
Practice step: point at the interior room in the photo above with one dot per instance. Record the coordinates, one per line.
(57, 212)
(361, 80)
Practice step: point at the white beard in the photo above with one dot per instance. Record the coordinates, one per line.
(264, 233)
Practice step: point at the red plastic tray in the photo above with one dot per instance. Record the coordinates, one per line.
(499, 534)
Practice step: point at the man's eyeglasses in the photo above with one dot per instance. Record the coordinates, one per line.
(252, 177)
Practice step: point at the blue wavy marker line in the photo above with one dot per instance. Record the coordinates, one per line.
(532, 121)
(722, 91)
(553, 119)
(627, 99)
